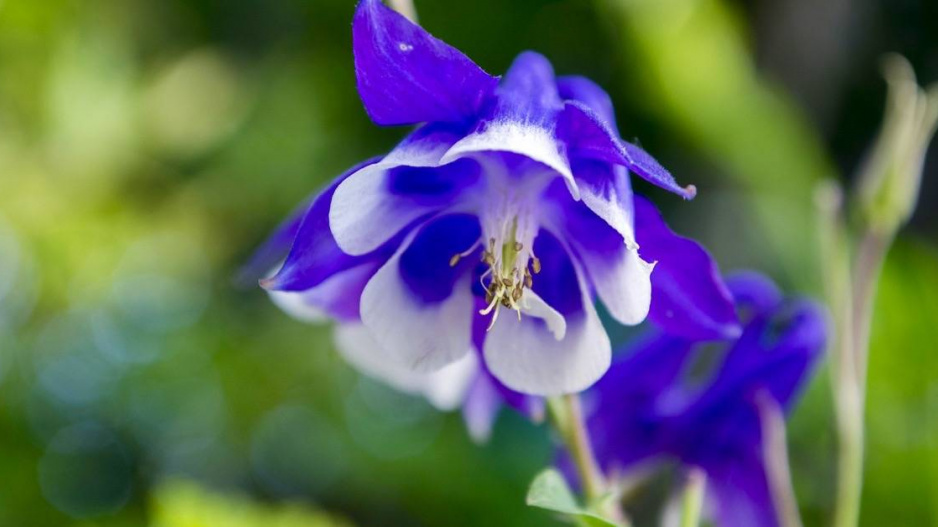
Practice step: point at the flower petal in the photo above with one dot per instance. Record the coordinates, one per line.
(523, 119)
(587, 92)
(446, 389)
(338, 296)
(627, 425)
(607, 191)
(481, 408)
(407, 76)
(688, 295)
(740, 494)
(587, 135)
(314, 256)
(417, 306)
(534, 306)
(377, 202)
(754, 290)
(525, 356)
(620, 277)
(774, 353)
(271, 254)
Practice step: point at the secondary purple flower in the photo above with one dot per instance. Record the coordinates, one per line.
(513, 194)
(654, 406)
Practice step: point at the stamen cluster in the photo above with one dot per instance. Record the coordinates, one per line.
(506, 280)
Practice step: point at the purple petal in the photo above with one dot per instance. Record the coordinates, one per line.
(558, 283)
(407, 76)
(315, 256)
(528, 91)
(628, 425)
(754, 291)
(689, 297)
(648, 168)
(425, 265)
(587, 135)
(481, 408)
(774, 356)
(740, 493)
(276, 247)
(587, 92)
(775, 353)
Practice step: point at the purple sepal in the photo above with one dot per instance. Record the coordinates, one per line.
(407, 76)
(688, 297)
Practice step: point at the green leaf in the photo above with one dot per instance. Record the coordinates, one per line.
(549, 491)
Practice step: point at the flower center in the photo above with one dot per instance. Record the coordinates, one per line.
(508, 273)
(510, 221)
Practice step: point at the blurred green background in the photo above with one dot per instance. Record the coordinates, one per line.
(147, 146)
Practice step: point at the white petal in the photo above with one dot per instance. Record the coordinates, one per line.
(363, 214)
(446, 389)
(421, 337)
(614, 204)
(623, 283)
(526, 357)
(294, 304)
(534, 142)
(534, 306)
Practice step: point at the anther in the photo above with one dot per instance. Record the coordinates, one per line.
(535, 264)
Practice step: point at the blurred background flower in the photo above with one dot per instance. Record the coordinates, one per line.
(147, 147)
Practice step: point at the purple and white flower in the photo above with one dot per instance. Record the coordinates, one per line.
(656, 405)
(493, 225)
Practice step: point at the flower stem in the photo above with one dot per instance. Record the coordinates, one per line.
(567, 417)
(577, 440)
(845, 378)
(871, 254)
(692, 504)
(852, 290)
(775, 453)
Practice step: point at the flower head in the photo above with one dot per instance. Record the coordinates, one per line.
(655, 405)
(494, 224)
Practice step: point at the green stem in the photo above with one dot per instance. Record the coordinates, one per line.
(835, 247)
(851, 290)
(871, 254)
(567, 417)
(576, 438)
(693, 498)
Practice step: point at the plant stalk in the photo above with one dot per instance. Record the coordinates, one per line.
(692, 503)
(567, 417)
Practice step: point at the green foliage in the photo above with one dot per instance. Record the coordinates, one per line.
(185, 504)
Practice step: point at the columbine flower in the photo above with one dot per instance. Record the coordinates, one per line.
(652, 406)
(494, 223)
